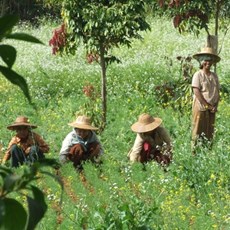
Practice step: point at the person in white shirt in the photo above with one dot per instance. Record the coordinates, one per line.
(81, 144)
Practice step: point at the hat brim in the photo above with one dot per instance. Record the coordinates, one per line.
(214, 57)
(82, 126)
(14, 126)
(143, 128)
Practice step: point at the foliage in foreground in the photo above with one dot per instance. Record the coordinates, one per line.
(8, 53)
(13, 214)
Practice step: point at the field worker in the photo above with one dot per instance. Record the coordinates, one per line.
(81, 144)
(206, 96)
(26, 146)
(152, 141)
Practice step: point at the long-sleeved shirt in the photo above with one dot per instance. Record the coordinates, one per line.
(160, 141)
(72, 138)
(32, 139)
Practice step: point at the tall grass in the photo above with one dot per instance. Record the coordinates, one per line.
(193, 194)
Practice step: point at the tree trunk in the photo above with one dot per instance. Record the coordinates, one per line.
(218, 4)
(212, 41)
(103, 87)
(3, 7)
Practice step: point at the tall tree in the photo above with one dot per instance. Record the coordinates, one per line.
(100, 25)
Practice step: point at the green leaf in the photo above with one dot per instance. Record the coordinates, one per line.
(2, 211)
(24, 37)
(8, 54)
(37, 207)
(10, 181)
(49, 162)
(16, 79)
(4, 171)
(6, 24)
(58, 179)
(12, 215)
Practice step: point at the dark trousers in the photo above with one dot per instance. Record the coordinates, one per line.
(19, 157)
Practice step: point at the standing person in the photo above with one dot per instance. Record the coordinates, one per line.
(152, 141)
(81, 144)
(26, 146)
(206, 96)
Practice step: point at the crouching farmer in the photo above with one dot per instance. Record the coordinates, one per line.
(152, 141)
(26, 146)
(81, 144)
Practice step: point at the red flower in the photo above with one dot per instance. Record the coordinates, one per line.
(91, 57)
(58, 40)
(88, 90)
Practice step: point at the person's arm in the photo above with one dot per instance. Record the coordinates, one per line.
(167, 145)
(95, 138)
(43, 146)
(134, 153)
(196, 87)
(66, 144)
(201, 99)
(7, 154)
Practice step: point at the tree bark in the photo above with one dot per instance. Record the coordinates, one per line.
(218, 4)
(103, 89)
(3, 7)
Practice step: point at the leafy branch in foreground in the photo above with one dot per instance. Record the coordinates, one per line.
(8, 53)
(12, 182)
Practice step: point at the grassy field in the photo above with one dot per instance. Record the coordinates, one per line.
(192, 194)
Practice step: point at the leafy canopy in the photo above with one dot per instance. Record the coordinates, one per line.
(100, 25)
(192, 16)
(103, 22)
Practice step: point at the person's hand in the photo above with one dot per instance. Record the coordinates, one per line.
(76, 149)
(214, 109)
(208, 107)
(76, 154)
(94, 152)
(28, 150)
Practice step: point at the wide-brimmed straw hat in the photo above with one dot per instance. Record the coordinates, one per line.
(146, 123)
(206, 54)
(83, 122)
(21, 121)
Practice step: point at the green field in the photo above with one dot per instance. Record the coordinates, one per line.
(192, 194)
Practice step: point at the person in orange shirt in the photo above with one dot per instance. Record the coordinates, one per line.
(26, 146)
